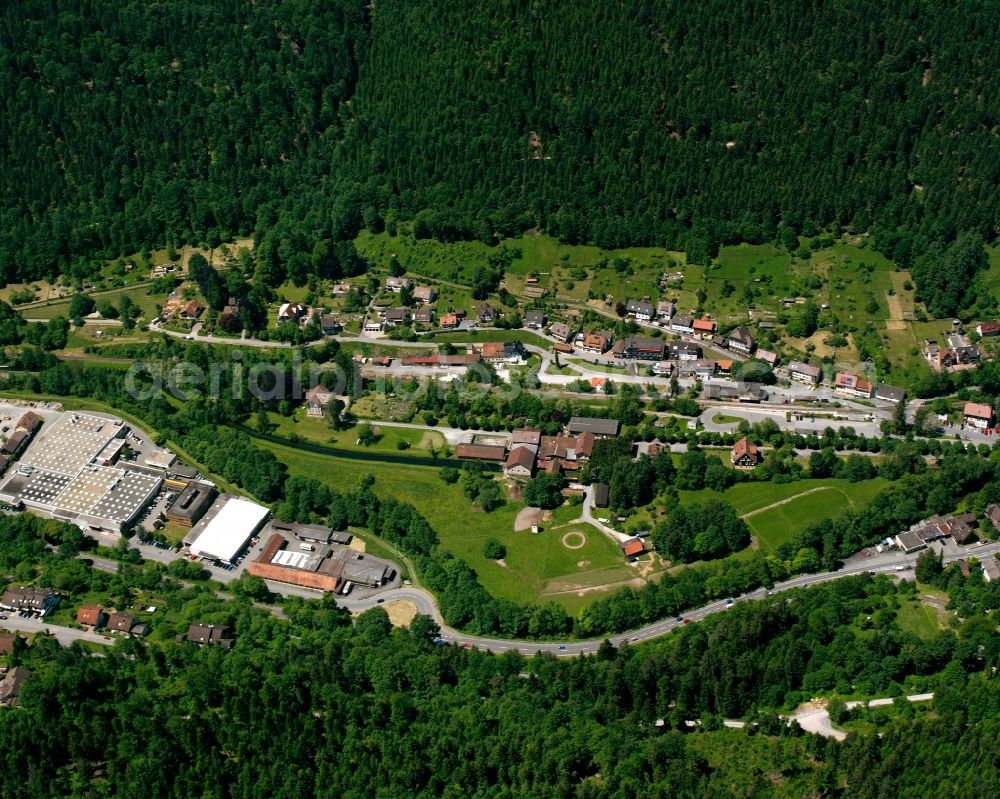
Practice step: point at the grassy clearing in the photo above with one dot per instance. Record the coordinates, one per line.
(773, 526)
(138, 295)
(532, 560)
(317, 430)
(568, 272)
(777, 525)
(919, 618)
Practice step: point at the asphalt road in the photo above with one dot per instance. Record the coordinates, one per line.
(64, 635)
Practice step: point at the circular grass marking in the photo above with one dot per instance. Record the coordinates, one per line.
(574, 539)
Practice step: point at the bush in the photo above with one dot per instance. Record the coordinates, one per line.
(493, 549)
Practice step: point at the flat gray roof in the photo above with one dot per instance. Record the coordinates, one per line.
(599, 427)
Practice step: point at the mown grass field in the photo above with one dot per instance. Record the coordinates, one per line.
(806, 502)
(317, 430)
(777, 525)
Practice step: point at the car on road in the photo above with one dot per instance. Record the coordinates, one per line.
(465, 645)
(679, 619)
(687, 621)
(562, 646)
(380, 600)
(438, 641)
(729, 603)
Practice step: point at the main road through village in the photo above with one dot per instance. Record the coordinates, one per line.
(891, 563)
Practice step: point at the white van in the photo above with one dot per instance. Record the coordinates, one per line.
(307, 547)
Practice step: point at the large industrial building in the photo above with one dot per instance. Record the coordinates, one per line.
(323, 567)
(226, 529)
(70, 471)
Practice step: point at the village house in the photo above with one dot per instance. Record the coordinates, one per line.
(398, 284)
(91, 616)
(534, 320)
(596, 343)
(317, 398)
(723, 365)
(448, 322)
(423, 316)
(665, 310)
(340, 289)
(682, 324)
(640, 348)
(804, 372)
(993, 514)
(424, 294)
(217, 634)
(768, 357)
(394, 317)
(740, 340)
(10, 685)
(642, 310)
(485, 314)
(684, 351)
(191, 310)
(741, 392)
(560, 331)
(521, 461)
(991, 568)
(744, 454)
(851, 385)
(663, 368)
(963, 349)
(887, 393)
(569, 450)
(700, 369)
(633, 548)
(374, 326)
(978, 415)
(122, 623)
(984, 329)
(291, 312)
(229, 317)
(330, 325)
(704, 328)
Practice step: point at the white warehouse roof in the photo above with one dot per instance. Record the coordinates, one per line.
(228, 532)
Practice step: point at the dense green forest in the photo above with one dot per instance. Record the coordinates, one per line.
(622, 123)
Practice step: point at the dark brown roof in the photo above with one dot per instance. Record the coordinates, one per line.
(122, 622)
(483, 452)
(521, 456)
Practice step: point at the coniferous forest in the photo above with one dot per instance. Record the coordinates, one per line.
(681, 124)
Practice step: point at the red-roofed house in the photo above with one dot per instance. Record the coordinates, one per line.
(978, 415)
(744, 454)
(852, 385)
(633, 548)
(988, 328)
(91, 616)
(704, 328)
